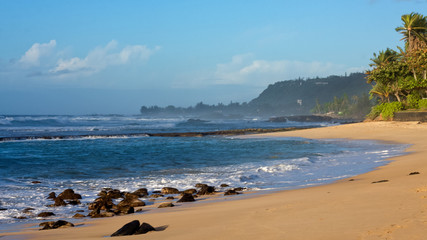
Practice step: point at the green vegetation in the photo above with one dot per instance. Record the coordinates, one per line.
(399, 79)
(356, 107)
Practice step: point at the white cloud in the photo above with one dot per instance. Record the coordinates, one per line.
(245, 69)
(38, 50)
(101, 58)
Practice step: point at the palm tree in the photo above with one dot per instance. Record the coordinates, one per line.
(388, 55)
(381, 90)
(414, 31)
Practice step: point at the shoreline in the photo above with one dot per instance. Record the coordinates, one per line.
(344, 209)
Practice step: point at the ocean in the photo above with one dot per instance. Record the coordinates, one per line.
(88, 153)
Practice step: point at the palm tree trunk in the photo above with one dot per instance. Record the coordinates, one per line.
(397, 96)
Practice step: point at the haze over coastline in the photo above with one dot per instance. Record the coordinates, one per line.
(102, 57)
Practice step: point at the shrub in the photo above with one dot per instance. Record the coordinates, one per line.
(422, 104)
(375, 111)
(389, 109)
(412, 101)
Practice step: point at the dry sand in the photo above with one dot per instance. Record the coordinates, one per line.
(357, 209)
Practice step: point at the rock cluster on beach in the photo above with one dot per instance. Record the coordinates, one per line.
(133, 228)
(112, 202)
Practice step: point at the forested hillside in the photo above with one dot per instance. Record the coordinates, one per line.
(300, 96)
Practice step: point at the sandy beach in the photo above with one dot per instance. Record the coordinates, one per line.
(395, 207)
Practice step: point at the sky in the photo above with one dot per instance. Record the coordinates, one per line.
(112, 57)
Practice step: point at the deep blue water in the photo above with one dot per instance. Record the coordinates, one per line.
(87, 164)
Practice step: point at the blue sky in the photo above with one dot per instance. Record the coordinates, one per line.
(105, 56)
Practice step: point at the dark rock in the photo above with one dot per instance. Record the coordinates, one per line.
(69, 194)
(21, 217)
(27, 210)
(125, 210)
(131, 195)
(46, 214)
(414, 173)
(101, 203)
(170, 190)
(115, 194)
(79, 210)
(186, 197)
(170, 198)
(200, 185)
(74, 202)
(224, 185)
(380, 181)
(36, 182)
(102, 193)
(78, 215)
(239, 189)
(58, 202)
(62, 224)
(144, 228)
(190, 191)
(44, 224)
(157, 192)
(127, 229)
(231, 192)
(155, 195)
(51, 195)
(106, 214)
(3, 209)
(206, 190)
(142, 192)
(55, 225)
(166, 205)
(131, 202)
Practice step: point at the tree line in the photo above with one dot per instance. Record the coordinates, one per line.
(399, 77)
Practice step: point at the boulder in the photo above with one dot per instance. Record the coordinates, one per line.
(46, 214)
(74, 202)
(155, 195)
(142, 192)
(124, 210)
(36, 182)
(131, 195)
(169, 190)
(127, 229)
(166, 205)
(54, 225)
(69, 194)
(206, 190)
(224, 185)
(102, 193)
(26, 210)
(231, 192)
(144, 228)
(131, 202)
(3, 209)
(186, 197)
(190, 191)
(59, 202)
(101, 203)
(51, 195)
(170, 198)
(78, 215)
(114, 194)
(200, 185)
